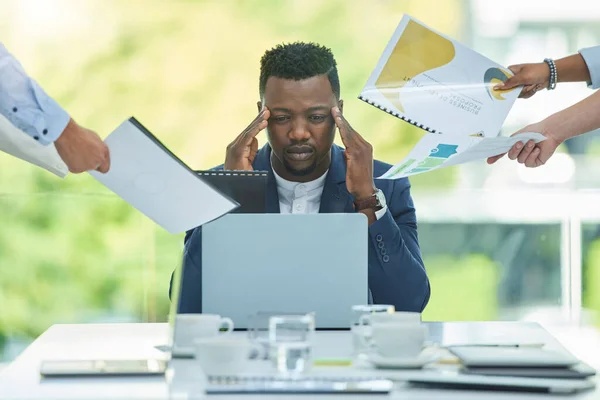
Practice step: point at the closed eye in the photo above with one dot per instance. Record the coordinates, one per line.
(318, 118)
(280, 118)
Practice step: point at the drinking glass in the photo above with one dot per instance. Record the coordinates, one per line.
(290, 343)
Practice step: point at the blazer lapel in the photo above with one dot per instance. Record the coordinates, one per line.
(262, 162)
(335, 197)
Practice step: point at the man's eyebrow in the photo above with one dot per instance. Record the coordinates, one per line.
(280, 109)
(319, 108)
(311, 109)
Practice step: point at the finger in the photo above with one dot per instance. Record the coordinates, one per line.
(103, 167)
(539, 162)
(510, 83)
(340, 122)
(513, 81)
(106, 164)
(528, 91)
(526, 152)
(255, 128)
(493, 159)
(531, 161)
(253, 148)
(514, 151)
(255, 122)
(346, 130)
(526, 95)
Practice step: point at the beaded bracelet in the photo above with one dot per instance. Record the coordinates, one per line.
(553, 73)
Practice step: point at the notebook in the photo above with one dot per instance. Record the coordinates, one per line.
(512, 357)
(304, 385)
(578, 371)
(248, 188)
(435, 83)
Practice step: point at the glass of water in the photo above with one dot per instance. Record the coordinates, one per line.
(258, 331)
(290, 343)
(361, 332)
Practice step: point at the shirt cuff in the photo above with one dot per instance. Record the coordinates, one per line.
(591, 56)
(55, 118)
(381, 213)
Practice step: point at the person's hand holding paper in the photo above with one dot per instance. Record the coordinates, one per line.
(531, 154)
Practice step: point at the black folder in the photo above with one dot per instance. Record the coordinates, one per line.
(248, 188)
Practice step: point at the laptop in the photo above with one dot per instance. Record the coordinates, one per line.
(289, 263)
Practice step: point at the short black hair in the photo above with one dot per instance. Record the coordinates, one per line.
(299, 61)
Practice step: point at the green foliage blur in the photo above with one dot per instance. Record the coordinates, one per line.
(71, 251)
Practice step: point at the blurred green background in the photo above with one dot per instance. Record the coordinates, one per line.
(71, 251)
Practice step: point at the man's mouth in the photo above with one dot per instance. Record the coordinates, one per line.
(299, 153)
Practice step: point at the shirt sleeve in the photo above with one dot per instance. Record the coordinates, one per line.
(381, 213)
(26, 105)
(591, 56)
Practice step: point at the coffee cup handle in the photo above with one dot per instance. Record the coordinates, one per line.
(228, 324)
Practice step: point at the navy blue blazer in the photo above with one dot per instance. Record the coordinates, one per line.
(396, 272)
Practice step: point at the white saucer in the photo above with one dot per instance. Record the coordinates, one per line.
(402, 363)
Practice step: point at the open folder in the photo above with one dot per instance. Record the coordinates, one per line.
(152, 179)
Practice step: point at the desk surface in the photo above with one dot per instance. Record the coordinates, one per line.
(21, 379)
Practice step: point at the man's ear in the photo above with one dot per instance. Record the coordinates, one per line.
(259, 104)
(341, 106)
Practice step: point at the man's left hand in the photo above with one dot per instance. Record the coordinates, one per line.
(359, 159)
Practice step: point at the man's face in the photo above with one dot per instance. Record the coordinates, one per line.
(301, 129)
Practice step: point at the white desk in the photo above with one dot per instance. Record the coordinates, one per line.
(21, 379)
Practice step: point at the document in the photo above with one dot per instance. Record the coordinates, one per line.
(153, 180)
(438, 151)
(432, 81)
(439, 85)
(15, 142)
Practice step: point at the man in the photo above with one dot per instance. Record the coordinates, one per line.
(300, 108)
(25, 104)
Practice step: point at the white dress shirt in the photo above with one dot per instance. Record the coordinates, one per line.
(304, 197)
(299, 197)
(591, 56)
(25, 104)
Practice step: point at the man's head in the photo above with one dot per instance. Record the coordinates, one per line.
(299, 84)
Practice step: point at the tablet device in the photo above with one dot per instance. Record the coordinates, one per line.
(74, 368)
(511, 357)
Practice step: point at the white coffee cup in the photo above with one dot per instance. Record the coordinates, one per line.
(398, 340)
(395, 317)
(223, 355)
(189, 327)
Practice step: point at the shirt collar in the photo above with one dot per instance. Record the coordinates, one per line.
(290, 185)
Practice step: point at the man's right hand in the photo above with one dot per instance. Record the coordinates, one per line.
(241, 152)
(82, 149)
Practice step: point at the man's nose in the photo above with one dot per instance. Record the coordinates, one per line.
(299, 131)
